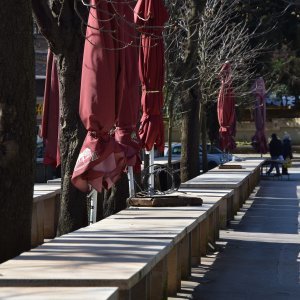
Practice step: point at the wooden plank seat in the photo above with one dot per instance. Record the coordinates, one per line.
(236, 181)
(210, 196)
(241, 181)
(143, 251)
(85, 261)
(58, 293)
(252, 165)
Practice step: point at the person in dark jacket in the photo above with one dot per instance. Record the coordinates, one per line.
(286, 152)
(275, 148)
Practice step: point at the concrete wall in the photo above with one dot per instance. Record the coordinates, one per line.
(245, 130)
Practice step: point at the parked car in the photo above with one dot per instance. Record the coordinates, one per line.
(215, 156)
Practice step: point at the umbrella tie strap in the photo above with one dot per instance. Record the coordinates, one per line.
(151, 92)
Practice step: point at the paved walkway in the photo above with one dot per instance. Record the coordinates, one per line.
(258, 256)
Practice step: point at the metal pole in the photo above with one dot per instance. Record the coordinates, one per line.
(93, 208)
(151, 169)
(131, 181)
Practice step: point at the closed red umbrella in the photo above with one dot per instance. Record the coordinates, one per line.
(50, 120)
(259, 140)
(150, 17)
(127, 119)
(226, 110)
(102, 159)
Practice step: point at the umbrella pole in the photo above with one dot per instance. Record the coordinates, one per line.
(93, 206)
(151, 169)
(131, 181)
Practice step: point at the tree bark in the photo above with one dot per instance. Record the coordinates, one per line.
(62, 27)
(115, 198)
(190, 121)
(190, 137)
(17, 127)
(73, 212)
(203, 138)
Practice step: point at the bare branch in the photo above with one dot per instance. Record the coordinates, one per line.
(46, 22)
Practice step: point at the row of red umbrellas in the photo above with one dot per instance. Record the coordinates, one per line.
(109, 100)
(226, 109)
(150, 17)
(227, 116)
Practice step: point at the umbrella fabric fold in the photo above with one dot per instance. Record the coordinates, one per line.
(259, 140)
(150, 17)
(226, 110)
(126, 124)
(50, 119)
(102, 158)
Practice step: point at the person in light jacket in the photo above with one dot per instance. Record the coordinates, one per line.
(286, 152)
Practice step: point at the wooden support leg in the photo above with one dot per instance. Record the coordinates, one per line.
(217, 223)
(40, 217)
(141, 290)
(236, 200)
(223, 213)
(203, 236)
(185, 257)
(159, 281)
(230, 210)
(49, 220)
(211, 228)
(174, 271)
(195, 248)
(37, 224)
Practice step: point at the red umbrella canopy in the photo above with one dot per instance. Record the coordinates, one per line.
(226, 109)
(259, 140)
(128, 116)
(50, 120)
(150, 17)
(103, 85)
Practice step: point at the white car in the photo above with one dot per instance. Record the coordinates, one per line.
(215, 156)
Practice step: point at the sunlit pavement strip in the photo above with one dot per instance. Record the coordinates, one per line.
(258, 256)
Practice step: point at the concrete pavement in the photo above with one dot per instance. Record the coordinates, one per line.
(258, 256)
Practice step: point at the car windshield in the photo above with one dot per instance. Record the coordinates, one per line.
(211, 149)
(176, 150)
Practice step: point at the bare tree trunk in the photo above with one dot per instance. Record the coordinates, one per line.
(190, 137)
(17, 127)
(203, 137)
(64, 34)
(115, 198)
(73, 213)
(170, 130)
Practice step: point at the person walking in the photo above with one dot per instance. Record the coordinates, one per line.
(286, 152)
(275, 148)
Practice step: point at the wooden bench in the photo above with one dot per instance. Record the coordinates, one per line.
(58, 293)
(237, 182)
(210, 196)
(251, 167)
(145, 252)
(242, 182)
